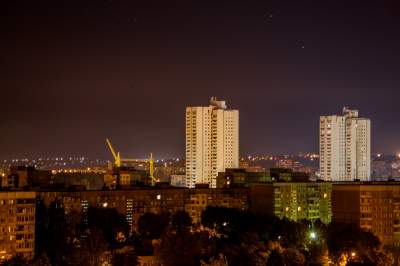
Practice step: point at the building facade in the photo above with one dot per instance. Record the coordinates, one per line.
(212, 142)
(293, 200)
(374, 206)
(134, 203)
(240, 177)
(198, 200)
(17, 225)
(345, 147)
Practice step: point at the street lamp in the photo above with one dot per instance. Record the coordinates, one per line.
(313, 235)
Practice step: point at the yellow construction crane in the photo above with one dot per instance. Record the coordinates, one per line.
(118, 161)
(151, 166)
(117, 157)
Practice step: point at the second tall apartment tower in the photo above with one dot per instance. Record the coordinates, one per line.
(212, 142)
(345, 147)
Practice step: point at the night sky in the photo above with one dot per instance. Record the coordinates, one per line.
(75, 72)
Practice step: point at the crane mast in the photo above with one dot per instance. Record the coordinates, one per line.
(117, 157)
(151, 167)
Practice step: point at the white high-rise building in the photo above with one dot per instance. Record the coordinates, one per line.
(345, 147)
(212, 142)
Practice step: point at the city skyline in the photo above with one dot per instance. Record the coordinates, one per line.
(76, 73)
(200, 132)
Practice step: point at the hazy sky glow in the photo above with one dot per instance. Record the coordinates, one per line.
(75, 72)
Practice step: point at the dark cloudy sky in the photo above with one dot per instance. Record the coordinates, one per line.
(74, 72)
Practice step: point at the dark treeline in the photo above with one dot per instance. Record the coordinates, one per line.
(224, 237)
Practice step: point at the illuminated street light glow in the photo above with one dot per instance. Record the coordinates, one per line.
(313, 235)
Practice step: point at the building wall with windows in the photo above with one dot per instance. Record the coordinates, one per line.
(17, 224)
(345, 147)
(134, 203)
(332, 145)
(293, 200)
(131, 203)
(240, 177)
(197, 200)
(212, 142)
(374, 206)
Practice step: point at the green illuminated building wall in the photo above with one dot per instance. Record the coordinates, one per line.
(293, 200)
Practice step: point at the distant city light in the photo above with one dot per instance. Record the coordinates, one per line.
(158, 196)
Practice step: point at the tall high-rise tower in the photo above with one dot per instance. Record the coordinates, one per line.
(345, 147)
(212, 142)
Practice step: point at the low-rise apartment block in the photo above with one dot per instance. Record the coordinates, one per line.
(17, 224)
(134, 203)
(374, 206)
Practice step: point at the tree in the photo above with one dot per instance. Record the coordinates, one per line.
(41, 223)
(16, 261)
(151, 225)
(95, 245)
(293, 257)
(181, 247)
(110, 222)
(278, 255)
(56, 234)
(220, 260)
(125, 257)
(248, 251)
(344, 240)
(229, 222)
(275, 258)
(42, 260)
(181, 221)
